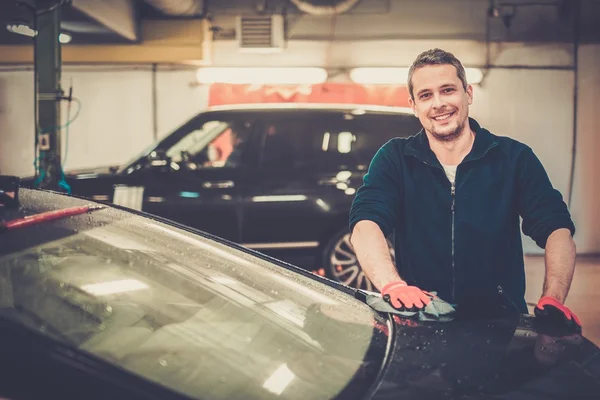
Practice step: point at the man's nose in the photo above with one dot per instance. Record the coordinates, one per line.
(438, 101)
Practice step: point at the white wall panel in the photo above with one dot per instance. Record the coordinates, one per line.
(586, 194)
(536, 108)
(179, 99)
(17, 130)
(114, 122)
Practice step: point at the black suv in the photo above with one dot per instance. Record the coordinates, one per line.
(279, 178)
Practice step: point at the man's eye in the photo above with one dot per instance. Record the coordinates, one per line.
(424, 96)
(448, 90)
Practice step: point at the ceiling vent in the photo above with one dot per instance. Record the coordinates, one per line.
(260, 34)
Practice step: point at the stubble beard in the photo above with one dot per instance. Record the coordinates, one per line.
(452, 136)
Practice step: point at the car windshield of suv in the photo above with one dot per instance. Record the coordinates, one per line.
(190, 313)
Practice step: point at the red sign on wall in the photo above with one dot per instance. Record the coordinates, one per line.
(337, 93)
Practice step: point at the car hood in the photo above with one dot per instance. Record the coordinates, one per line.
(485, 358)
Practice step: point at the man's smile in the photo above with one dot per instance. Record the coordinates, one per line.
(443, 117)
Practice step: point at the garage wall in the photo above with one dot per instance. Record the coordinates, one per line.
(116, 117)
(16, 122)
(179, 99)
(586, 193)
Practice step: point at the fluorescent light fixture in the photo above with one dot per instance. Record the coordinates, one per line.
(113, 287)
(64, 38)
(279, 380)
(21, 29)
(474, 75)
(385, 75)
(269, 75)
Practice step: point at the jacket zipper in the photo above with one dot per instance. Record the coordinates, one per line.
(452, 208)
(453, 192)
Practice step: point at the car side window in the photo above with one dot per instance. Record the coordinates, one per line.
(330, 140)
(211, 144)
(302, 141)
(372, 131)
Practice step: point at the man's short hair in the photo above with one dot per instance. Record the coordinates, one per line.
(436, 57)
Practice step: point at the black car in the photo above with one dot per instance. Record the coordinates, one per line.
(98, 302)
(276, 178)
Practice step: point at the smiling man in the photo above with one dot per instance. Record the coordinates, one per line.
(452, 197)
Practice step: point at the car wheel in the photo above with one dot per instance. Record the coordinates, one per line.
(341, 264)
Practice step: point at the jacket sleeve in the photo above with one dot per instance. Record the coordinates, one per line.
(540, 205)
(378, 199)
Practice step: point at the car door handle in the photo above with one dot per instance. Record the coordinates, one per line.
(218, 185)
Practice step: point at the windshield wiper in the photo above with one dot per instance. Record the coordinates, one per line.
(37, 219)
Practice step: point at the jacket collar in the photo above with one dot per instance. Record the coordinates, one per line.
(484, 141)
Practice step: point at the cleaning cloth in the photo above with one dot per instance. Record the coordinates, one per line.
(437, 309)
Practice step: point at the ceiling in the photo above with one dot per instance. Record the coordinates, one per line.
(532, 20)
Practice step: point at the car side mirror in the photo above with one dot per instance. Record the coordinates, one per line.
(9, 191)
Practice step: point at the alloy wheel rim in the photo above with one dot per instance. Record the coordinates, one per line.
(346, 269)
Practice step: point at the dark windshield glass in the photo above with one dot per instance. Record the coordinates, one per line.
(190, 313)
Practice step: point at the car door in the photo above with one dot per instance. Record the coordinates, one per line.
(195, 180)
(289, 201)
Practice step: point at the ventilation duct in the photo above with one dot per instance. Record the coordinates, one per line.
(178, 7)
(260, 33)
(324, 7)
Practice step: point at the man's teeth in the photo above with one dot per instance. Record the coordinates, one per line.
(442, 117)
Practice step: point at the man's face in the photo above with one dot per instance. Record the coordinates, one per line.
(440, 101)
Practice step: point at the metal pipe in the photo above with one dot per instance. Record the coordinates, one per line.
(177, 8)
(335, 9)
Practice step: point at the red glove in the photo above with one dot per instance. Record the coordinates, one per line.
(551, 312)
(400, 295)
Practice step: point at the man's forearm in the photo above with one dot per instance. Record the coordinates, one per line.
(560, 264)
(373, 254)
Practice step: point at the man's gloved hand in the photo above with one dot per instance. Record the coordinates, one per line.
(401, 296)
(553, 316)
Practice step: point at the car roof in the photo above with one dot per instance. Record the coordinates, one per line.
(356, 108)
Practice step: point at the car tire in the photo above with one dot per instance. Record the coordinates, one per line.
(340, 263)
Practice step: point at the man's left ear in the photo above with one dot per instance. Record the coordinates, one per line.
(470, 93)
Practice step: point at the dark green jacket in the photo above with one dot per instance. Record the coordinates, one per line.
(465, 245)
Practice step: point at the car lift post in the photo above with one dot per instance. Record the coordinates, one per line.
(48, 94)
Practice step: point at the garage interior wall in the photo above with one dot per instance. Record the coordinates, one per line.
(533, 102)
(116, 120)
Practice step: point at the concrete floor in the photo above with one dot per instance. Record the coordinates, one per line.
(584, 297)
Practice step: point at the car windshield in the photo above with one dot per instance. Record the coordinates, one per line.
(189, 312)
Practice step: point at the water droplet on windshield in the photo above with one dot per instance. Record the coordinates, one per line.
(163, 362)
